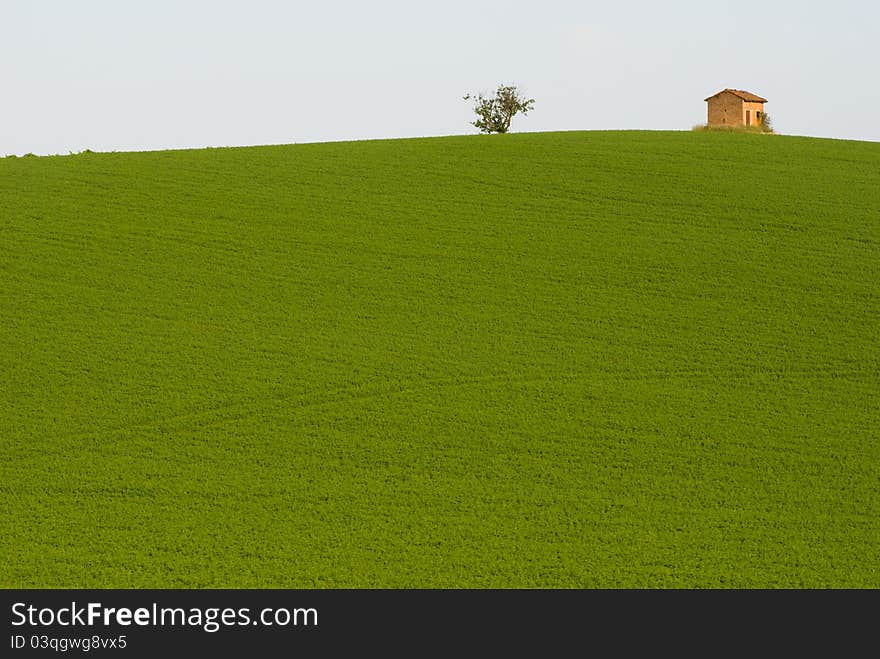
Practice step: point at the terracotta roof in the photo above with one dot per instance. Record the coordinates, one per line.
(749, 97)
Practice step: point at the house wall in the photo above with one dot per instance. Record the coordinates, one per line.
(754, 108)
(726, 110)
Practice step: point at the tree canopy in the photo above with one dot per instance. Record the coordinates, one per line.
(494, 113)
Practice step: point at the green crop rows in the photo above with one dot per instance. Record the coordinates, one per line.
(632, 359)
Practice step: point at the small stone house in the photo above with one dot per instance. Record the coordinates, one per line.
(734, 107)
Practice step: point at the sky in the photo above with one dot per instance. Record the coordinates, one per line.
(120, 75)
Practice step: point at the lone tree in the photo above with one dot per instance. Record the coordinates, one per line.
(495, 112)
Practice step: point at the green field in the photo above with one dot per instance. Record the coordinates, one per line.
(578, 360)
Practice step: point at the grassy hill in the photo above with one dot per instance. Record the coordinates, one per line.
(587, 359)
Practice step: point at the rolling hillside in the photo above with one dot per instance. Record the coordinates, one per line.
(578, 360)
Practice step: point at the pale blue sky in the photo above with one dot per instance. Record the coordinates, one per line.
(123, 75)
